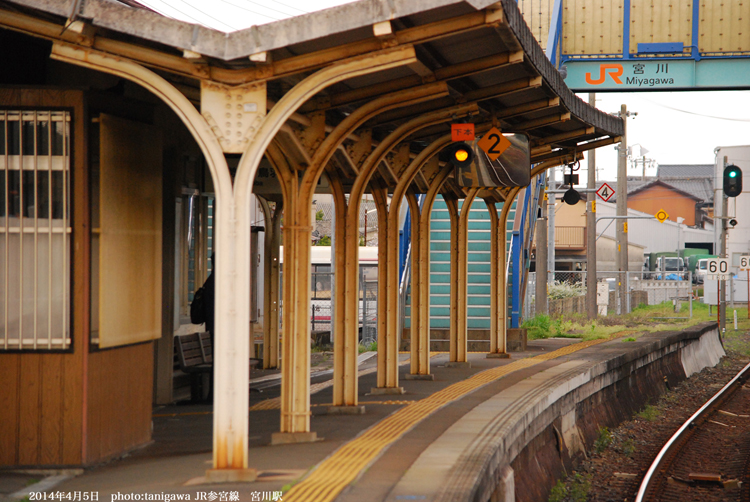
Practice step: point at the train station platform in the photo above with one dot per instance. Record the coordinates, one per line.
(502, 429)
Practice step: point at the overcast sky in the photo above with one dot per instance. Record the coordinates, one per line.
(675, 128)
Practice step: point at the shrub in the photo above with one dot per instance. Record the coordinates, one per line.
(319, 215)
(603, 441)
(579, 488)
(628, 447)
(558, 290)
(538, 326)
(649, 413)
(559, 492)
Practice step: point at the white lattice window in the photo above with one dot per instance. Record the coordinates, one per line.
(34, 230)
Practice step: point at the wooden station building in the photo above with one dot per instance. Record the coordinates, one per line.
(114, 119)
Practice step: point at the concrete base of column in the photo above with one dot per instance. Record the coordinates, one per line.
(346, 410)
(458, 364)
(382, 391)
(498, 355)
(231, 475)
(293, 437)
(409, 376)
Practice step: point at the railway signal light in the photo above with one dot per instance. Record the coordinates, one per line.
(732, 181)
(461, 154)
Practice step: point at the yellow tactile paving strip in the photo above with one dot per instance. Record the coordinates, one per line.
(332, 475)
(275, 402)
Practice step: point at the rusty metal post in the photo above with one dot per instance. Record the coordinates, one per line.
(271, 283)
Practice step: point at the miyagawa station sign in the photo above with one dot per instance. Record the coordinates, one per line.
(661, 75)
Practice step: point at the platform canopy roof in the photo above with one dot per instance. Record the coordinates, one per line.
(482, 51)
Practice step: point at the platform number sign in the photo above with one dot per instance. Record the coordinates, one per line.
(494, 143)
(745, 262)
(718, 269)
(605, 192)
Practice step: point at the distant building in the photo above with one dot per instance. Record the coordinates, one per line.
(684, 191)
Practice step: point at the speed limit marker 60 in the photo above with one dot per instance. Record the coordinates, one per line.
(718, 269)
(745, 262)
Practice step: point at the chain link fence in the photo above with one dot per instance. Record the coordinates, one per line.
(321, 304)
(368, 218)
(566, 292)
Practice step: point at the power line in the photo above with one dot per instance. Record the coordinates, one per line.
(256, 13)
(209, 15)
(168, 5)
(695, 113)
(260, 5)
(291, 7)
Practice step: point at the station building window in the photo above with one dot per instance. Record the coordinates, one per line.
(35, 230)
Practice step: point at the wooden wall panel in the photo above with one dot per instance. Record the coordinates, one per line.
(52, 397)
(29, 413)
(120, 387)
(592, 27)
(41, 404)
(724, 26)
(72, 418)
(130, 249)
(9, 376)
(660, 21)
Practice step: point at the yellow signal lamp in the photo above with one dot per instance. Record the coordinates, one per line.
(461, 154)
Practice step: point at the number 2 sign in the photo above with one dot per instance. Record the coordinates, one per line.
(494, 143)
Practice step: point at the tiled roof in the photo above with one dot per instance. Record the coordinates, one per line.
(685, 171)
(699, 187)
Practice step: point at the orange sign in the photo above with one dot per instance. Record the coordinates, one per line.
(613, 70)
(462, 132)
(493, 143)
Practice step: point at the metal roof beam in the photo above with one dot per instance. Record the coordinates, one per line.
(274, 70)
(447, 73)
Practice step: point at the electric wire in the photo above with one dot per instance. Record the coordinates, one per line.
(261, 5)
(695, 113)
(170, 5)
(292, 7)
(258, 13)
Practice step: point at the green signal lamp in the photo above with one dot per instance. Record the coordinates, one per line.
(732, 181)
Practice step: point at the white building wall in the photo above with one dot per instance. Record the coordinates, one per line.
(655, 237)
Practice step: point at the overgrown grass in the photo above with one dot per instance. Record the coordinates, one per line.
(603, 440)
(643, 319)
(538, 327)
(628, 447)
(368, 347)
(576, 489)
(649, 413)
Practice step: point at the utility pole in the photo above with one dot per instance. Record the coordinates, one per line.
(723, 253)
(551, 226)
(540, 301)
(622, 210)
(591, 307)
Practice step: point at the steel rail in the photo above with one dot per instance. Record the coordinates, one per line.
(690, 422)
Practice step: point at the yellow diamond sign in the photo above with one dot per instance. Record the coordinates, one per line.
(493, 143)
(661, 215)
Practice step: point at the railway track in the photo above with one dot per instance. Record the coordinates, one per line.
(708, 458)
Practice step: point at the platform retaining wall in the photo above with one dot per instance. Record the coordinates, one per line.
(540, 436)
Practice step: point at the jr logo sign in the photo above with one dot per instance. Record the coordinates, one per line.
(614, 71)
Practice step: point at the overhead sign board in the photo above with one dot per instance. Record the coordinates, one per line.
(510, 168)
(656, 74)
(661, 215)
(605, 192)
(718, 269)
